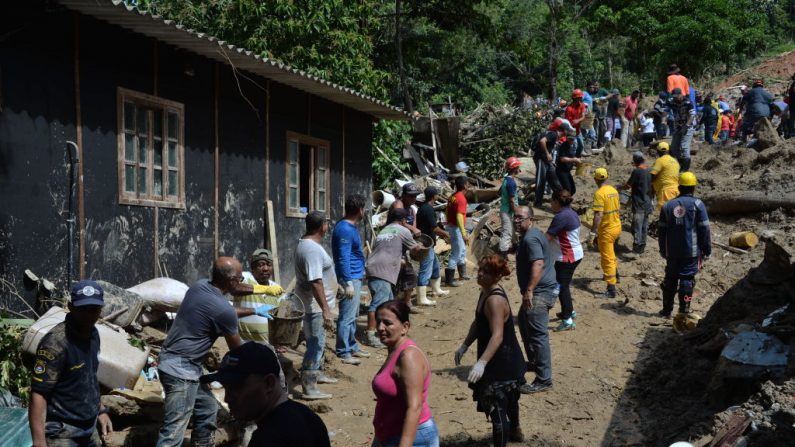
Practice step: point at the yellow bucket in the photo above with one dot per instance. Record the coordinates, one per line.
(583, 170)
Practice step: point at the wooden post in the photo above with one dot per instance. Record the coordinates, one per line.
(270, 238)
(156, 244)
(81, 207)
(267, 139)
(344, 190)
(155, 69)
(216, 166)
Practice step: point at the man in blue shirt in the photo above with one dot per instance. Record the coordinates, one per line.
(346, 248)
(685, 241)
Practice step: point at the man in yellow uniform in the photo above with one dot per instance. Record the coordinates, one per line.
(607, 227)
(665, 176)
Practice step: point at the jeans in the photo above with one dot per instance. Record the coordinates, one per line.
(183, 399)
(680, 146)
(591, 137)
(579, 144)
(346, 322)
(427, 436)
(380, 292)
(680, 277)
(533, 326)
(545, 173)
(564, 272)
(61, 434)
(315, 335)
(709, 131)
(458, 253)
(723, 136)
(429, 269)
(506, 233)
(640, 226)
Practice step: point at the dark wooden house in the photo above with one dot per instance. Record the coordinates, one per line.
(159, 147)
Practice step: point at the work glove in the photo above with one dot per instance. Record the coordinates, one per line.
(268, 290)
(477, 371)
(459, 354)
(349, 292)
(264, 311)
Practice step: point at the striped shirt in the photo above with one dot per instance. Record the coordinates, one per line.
(254, 327)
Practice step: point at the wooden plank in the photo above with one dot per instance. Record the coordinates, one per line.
(270, 238)
(81, 203)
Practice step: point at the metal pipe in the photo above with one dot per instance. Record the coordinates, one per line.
(70, 220)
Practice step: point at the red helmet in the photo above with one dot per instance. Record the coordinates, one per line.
(577, 93)
(512, 163)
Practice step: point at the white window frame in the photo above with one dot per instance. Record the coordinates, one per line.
(319, 174)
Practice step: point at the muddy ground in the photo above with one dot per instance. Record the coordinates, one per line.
(623, 377)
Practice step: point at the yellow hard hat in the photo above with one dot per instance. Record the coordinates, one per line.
(687, 179)
(663, 147)
(600, 174)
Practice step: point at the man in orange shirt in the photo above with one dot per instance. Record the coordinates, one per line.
(676, 80)
(575, 113)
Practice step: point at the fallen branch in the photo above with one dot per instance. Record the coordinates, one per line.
(743, 202)
(729, 248)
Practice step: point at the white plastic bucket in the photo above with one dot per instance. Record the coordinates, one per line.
(382, 199)
(120, 363)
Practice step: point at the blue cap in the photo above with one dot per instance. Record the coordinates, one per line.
(87, 293)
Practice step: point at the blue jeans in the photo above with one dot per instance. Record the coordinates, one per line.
(346, 322)
(709, 131)
(429, 268)
(380, 292)
(60, 434)
(427, 436)
(724, 136)
(578, 145)
(315, 335)
(533, 326)
(183, 399)
(458, 253)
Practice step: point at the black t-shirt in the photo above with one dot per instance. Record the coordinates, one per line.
(566, 150)
(291, 424)
(640, 181)
(65, 373)
(552, 139)
(426, 220)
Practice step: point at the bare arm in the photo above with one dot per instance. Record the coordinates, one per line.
(597, 220)
(410, 371)
(36, 415)
(244, 311)
(496, 312)
(441, 233)
(233, 340)
(319, 293)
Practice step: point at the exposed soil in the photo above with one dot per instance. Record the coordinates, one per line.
(623, 377)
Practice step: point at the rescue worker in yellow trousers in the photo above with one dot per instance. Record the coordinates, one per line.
(665, 176)
(606, 229)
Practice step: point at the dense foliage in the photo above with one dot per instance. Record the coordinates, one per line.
(14, 375)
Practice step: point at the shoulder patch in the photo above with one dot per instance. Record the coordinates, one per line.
(46, 354)
(40, 367)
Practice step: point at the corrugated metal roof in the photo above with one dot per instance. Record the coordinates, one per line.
(168, 31)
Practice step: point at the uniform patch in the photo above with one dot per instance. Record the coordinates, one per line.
(46, 354)
(40, 367)
(679, 211)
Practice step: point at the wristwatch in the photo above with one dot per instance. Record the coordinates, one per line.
(103, 410)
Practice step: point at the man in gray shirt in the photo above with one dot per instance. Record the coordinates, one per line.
(203, 316)
(535, 272)
(315, 283)
(383, 265)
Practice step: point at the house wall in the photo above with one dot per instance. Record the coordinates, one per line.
(123, 242)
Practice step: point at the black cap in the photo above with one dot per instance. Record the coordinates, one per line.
(87, 293)
(676, 92)
(430, 192)
(410, 189)
(237, 364)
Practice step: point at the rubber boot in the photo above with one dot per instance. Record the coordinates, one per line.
(668, 303)
(684, 304)
(323, 378)
(309, 384)
(462, 272)
(610, 293)
(449, 278)
(422, 297)
(436, 287)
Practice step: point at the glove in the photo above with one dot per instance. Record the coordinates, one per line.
(268, 290)
(264, 311)
(349, 292)
(477, 371)
(460, 353)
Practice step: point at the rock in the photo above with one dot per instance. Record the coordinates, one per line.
(319, 406)
(134, 436)
(130, 411)
(766, 134)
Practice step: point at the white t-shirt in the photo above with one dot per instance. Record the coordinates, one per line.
(647, 124)
(313, 263)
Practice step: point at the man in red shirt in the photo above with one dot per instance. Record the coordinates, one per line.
(456, 228)
(631, 102)
(575, 113)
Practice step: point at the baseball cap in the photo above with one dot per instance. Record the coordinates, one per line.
(237, 364)
(261, 254)
(87, 293)
(410, 189)
(430, 192)
(637, 157)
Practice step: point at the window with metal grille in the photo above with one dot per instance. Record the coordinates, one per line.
(151, 150)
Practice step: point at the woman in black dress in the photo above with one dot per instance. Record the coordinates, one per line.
(499, 371)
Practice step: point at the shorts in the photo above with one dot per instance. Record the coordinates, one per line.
(407, 280)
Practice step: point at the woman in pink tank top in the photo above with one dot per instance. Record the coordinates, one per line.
(402, 416)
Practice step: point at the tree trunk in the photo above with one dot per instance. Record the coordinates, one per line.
(401, 69)
(744, 202)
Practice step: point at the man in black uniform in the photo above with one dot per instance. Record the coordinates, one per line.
(64, 405)
(250, 376)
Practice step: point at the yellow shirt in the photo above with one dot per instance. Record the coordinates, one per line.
(666, 170)
(254, 327)
(606, 201)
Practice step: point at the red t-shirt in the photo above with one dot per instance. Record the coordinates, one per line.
(727, 122)
(573, 112)
(456, 204)
(632, 108)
